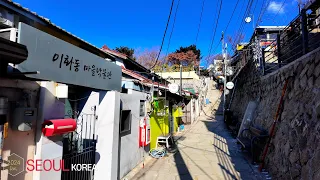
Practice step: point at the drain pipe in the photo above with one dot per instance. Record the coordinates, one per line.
(234, 89)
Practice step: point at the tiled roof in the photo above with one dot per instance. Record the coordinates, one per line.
(113, 52)
(123, 56)
(46, 20)
(135, 75)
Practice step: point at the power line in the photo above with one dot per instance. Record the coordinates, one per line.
(235, 35)
(164, 35)
(239, 17)
(244, 16)
(215, 29)
(242, 22)
(231, 16)
(200, 21)
(280, 8)
(252, 14)
(174, 21)
(262, 11)
(227, 24)
(255, 6)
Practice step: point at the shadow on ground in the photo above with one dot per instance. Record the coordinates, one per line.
(231, 160)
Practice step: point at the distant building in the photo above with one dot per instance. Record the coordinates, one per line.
(190, 80)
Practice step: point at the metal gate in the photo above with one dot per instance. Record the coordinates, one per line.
(79, 148)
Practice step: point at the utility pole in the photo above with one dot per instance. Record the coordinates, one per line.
(225, 73)
(152, 86)
(180, 80)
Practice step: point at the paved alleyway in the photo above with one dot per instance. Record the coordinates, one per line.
(206, 152)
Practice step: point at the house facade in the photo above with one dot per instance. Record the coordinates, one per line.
(57, 100)
(64, 101)
(193, 83)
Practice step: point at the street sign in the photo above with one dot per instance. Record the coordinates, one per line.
(62, 62)
(173, 88)
(227, 92)
(230, 85)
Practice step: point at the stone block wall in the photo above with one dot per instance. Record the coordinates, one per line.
(295, 150)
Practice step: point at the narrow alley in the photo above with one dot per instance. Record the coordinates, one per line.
(168, 90)
(206, 151)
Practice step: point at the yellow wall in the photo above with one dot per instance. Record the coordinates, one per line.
(160, 124)
(176, 113)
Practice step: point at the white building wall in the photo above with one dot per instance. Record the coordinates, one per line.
(131, 154)
(48, 148)
(192, 110)
(107, 136)
(197, 107)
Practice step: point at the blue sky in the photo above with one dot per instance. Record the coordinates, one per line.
(140, 24)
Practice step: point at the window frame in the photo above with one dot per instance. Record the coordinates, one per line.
(128, 130)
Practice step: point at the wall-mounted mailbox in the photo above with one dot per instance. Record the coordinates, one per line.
(58, 126)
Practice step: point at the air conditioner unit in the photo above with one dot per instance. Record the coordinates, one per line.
(6, 18)
(9, 33)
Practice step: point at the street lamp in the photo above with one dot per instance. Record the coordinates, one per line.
(249, 19)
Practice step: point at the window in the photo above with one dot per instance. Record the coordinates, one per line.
(125, 123)
(142, 108)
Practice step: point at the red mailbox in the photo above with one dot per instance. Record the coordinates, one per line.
(58, 126)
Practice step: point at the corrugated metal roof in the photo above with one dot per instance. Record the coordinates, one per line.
(46, 20)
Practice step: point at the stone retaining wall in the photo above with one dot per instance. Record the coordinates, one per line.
(295, 150)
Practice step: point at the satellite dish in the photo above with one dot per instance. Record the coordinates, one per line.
(173, 88)
(248, 19)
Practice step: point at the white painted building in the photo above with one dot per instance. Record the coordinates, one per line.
(63, 77)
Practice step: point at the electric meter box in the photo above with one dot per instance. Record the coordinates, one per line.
(23, 118)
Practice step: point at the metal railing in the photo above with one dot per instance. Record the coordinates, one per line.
(79, 148)
(301, 36)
